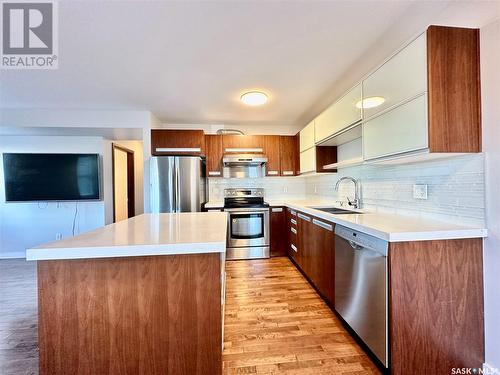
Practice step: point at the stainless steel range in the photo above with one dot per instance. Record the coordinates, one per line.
(248, 224)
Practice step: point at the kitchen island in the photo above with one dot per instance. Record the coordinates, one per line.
(141, 296)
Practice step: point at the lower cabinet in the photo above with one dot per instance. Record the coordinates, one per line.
(278, 242)
(315, 254)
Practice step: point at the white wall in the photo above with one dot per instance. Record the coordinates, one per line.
(23, 225)
(490, 87)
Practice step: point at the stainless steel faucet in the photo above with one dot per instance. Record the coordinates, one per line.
(356, 203)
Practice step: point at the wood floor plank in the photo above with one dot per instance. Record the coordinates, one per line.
(275, 323)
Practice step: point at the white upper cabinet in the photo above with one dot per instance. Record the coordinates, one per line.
(400, 130)
(339, 115)
(402, 77)
(306, 137)
(308, 160)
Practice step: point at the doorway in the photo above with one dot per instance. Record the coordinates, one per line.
(123, 183)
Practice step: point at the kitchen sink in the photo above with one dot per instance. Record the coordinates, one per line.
(335, 210)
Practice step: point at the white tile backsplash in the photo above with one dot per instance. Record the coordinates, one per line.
(275, 187)
(455, 188)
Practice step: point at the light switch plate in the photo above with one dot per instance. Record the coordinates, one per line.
(420, 191)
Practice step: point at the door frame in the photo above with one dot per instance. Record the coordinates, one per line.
(130, 179)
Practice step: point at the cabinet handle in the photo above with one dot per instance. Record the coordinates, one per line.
(215, 210)
(276, 209)
(244, 149)
(304, 217)
(323, 225)
(173, 149)
(287, 173)
(293, 213)
(293, 221)
(272, 173)
(294, 231)
(294, 248)
(214, 173)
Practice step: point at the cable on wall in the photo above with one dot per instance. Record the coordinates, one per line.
(74, 218)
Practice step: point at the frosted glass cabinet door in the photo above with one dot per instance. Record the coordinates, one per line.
(306, 137)
(308, 160)
(402, 129)
(402, 77)
(339, 115)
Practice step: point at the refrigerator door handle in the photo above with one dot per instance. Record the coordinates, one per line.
(176, 185)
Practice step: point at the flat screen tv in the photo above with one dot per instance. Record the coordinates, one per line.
(51, 177)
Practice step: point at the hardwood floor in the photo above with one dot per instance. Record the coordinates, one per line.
(18, 317)
(275, 323)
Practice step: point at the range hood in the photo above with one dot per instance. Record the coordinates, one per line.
(249, 160)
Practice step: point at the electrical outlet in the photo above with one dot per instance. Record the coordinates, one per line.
(285, 189)
(59, 236)
(420, 191)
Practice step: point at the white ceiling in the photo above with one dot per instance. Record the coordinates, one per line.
(188, 62)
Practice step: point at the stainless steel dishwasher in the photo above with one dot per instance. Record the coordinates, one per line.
(361, 287)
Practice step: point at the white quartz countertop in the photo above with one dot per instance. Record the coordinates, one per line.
(143, 235)
(387, 226)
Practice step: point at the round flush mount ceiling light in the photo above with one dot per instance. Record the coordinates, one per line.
(254, 98)
(371, 102)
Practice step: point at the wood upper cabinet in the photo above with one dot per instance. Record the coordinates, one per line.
(289, 155)
(243, 144)
(273, 152)
(177, 142)
(340, 115)
(432, 97)
(279, 227)
(306, 137)
(213, 147)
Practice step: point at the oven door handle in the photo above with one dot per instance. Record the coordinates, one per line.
(246, 210)
(234, 213)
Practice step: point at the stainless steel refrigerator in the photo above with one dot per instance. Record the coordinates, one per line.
(178, 184)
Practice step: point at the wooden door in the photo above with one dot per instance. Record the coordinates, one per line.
(243, 144)
(305, 241)
(272, 151)
(177, 142)
(213, 150)
(322, 267)
(278, 231)
(289, 155)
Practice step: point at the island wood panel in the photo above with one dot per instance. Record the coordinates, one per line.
(134, 315)
(454, 88)
(436, 306)
(278, 242)
(243, 141)
(213, 148)
(272, 151)
(172, 138)
(289, 153)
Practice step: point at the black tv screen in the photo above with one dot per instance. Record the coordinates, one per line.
(51, 177)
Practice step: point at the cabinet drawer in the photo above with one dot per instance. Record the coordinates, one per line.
(400, 130)
(308, 160)
(339, 115)
(402, 77)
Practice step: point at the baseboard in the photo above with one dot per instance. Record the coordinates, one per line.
(13, 255)
(490, 370)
